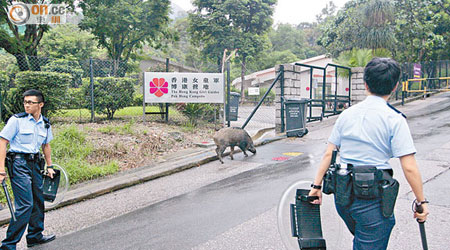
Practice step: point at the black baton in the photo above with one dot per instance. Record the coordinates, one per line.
(423, 235)
(8, 199)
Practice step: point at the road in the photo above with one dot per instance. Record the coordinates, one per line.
(234, 205)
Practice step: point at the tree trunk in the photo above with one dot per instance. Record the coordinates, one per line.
(242, 80)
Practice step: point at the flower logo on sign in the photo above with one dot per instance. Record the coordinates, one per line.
(159, 87)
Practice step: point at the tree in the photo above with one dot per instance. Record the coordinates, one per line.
(122, 26)
(287, 37)
(22, 41)
(251, 20)
(211, 29)
(67, 41)
(360, 24)
(428, 25)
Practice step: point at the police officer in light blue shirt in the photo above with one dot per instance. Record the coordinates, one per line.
(369, 134)
(26, 133)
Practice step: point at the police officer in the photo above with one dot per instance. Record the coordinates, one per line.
(26, 133)
(369, 134)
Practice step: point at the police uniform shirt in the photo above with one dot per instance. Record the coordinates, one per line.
(370, 133)
(26, 135)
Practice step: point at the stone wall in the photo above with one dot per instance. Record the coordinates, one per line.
(358, 92)
(292, 89)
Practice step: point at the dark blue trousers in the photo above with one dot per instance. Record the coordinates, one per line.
(366, 222)
(26, 183)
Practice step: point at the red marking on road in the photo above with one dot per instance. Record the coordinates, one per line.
(281, 158)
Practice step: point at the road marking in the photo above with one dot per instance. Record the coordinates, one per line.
(281, 158)
(293, 153)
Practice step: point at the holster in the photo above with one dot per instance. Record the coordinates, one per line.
(9, 160)
(389, 192)
(343, 193)
(41, 162)
(329, 179)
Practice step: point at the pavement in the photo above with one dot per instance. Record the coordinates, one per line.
(170, 164)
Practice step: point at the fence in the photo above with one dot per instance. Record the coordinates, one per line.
(97, 90)
(417, 76)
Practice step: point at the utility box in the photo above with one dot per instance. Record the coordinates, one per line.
(296, 117)
(234, 106)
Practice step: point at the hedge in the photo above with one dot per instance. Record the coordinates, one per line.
(110, 94)
(53, 85)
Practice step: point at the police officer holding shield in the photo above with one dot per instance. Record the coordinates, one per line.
(26, 133)
(367, 135)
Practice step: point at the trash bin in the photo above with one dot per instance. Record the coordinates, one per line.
(296, 117)
(234, 105)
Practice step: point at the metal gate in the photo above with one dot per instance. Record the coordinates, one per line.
(329, 91)
(329, 88)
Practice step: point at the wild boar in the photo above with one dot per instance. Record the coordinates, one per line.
(233, 137)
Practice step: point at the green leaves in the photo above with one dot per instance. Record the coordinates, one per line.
(124, 25)
(231, 24)
(110, 94)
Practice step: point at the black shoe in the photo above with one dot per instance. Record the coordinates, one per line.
(44, 239)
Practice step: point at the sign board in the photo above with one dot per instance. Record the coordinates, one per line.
(253, 91)
(417, 70)
(174, 87)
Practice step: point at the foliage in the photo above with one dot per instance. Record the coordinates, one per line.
(67, 41)
(22, 42)
(126, 129)
(197, 111)
(360, 24)
(274, 58)
(8, 64)
(75, 98)
(428, 26)
(211, 29)
(375, 24)
(70, 148)
(110, 94)
(53, 85)
(138, 99)
(4, 82)
(286, 38)
(65, 66)
(125, 25)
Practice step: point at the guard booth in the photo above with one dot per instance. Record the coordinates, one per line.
(233, 106)
(296, 117)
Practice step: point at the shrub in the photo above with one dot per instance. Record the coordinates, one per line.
(138, 99)
(12, 103)
(53, 85)
(110, 94)
(197, 111)
(4, 82)
(76, 98)
(65, 66)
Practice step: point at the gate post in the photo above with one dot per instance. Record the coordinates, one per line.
(282, 98)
